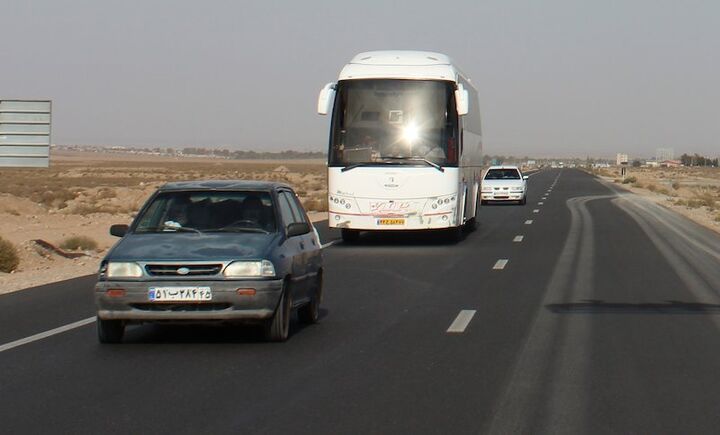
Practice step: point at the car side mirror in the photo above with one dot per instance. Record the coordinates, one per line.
(525, 177)
(326, 99)
(119, 230)
(297, 229)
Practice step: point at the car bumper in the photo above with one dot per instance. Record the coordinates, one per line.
(226, 304)
(428, 221)
(504, 196)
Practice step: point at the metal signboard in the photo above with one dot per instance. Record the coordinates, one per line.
(25, 133)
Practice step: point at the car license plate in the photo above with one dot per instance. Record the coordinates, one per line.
(391, 221)
(162, 294)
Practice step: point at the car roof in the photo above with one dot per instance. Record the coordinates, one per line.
(504, 167)
(223, 185)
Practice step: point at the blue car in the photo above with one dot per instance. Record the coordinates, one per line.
(233, 251)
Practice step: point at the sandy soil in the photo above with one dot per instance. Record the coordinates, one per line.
(692, 192)
(85, 193)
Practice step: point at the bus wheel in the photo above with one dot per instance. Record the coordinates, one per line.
(349, 236)
(455, 234)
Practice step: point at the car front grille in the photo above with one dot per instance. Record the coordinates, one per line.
(194, 306)
(178, 269)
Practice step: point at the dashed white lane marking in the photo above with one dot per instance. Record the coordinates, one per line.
(328, 244)
(500, 264)
(461, 321)
(540, 203)
(518, 239)
(528, 222)
(537, 210)
(46, 334)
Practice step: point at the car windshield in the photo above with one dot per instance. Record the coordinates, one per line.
(208, 211)
(502, 174)
(397, 122)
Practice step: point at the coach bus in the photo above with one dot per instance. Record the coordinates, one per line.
(405, 148)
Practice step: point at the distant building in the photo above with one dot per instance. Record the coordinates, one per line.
(663, 154)
(622, 159)
(671, 163)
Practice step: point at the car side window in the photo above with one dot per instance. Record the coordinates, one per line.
(285, 209)
(296, 207)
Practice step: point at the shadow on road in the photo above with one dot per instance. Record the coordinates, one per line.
(601, 307)
(209, 333)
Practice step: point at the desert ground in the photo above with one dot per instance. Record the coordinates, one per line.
(693, 192)
(82, 194)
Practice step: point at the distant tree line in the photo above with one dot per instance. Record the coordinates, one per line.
(698, 160)
(253, 155)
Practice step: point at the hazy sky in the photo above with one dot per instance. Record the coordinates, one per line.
(555, 77)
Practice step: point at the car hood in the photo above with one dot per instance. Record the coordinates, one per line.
(193, 246)
(502, 183)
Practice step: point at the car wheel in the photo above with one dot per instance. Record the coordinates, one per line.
(110, 331)
(483, 202)
(310, 313)
(523, 201)
(278, 327)
(349, 236)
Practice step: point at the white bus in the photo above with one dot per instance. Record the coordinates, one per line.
(405, 147)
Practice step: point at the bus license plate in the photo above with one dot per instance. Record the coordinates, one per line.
(391, 221)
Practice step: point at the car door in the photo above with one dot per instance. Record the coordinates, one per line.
(294, 246)
(313, 253)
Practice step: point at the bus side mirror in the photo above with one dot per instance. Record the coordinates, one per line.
(326, 98)
(462, 100)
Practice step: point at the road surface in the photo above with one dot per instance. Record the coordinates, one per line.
(589, 310)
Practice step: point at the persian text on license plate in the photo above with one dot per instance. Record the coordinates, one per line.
(391, 221)
(161, 294)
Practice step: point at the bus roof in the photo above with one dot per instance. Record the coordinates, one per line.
(401, 64)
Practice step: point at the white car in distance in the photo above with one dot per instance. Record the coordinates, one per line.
(504, 183)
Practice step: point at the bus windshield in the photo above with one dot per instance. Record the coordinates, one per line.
(391, 121)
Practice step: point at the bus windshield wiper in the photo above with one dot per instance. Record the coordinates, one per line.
(358, 165)
(417, 159)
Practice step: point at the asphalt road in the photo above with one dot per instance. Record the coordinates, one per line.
(605, 318)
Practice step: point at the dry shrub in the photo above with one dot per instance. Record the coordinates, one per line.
(694, 203)
(663, 191)
(638, 185)
(717, 218)
(75, 243)
(675, 185)
(651, 187)
(9, 259)
(629, 180)
(315, 203)
(106, 193)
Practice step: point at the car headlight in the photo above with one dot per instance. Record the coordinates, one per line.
(487, 189)
(250, 269)
(123, 270)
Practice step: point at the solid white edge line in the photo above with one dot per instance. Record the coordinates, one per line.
(46, 334)
(518, 238)
(500, 264)
(461, 321)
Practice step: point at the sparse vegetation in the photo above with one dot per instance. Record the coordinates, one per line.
(663, 191)
(9, 259)
(76, 243)
(675, 185)
(629, 180)
(638, 185)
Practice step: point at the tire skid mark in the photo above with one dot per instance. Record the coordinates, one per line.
(551, 367)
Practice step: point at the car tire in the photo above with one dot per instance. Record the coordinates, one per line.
(277, 329)
(523, 201)
(483, 202)
(110, 331)
(349, 236)
(310, 313)
(471, 224)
